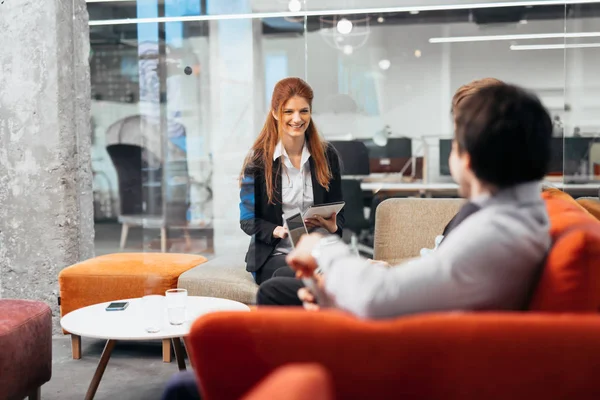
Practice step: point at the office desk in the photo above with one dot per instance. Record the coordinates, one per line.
(431, 189)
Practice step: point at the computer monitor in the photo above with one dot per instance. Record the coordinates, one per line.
(577, 152)
(445, 149)
(395, 148)
(374, 150)
(566, 155)
(556, 156)
(399, 147)
(354, 156)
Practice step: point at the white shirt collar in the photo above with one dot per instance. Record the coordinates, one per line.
(280, 151)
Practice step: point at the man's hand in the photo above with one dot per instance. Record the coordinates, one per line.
(280, 232)
(301, 259)
(376, 262)
(319, 222)
(309, 301)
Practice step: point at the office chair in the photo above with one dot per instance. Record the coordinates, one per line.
(356, 224)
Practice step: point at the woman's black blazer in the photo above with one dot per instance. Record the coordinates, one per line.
(258, 218)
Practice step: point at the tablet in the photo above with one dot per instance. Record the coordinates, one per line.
(324, 210)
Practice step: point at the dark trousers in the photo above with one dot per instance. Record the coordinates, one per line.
(268, 269)
(281, 290)
(182, 386)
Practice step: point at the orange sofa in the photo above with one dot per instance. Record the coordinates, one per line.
(295, 382)
(460, 355)
(449, 356)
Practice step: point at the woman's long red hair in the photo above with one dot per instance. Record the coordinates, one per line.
(263, 148)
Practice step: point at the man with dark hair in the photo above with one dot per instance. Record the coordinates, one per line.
(500, 154)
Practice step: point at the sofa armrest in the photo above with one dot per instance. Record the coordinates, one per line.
(295, 382)
(404, 226)
(591, 204)
(432, 356)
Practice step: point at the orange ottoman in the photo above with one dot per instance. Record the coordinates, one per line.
(121, 276)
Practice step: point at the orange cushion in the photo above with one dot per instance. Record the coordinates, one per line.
(591, 205)
(121, 276)
(552, 194)
(564, 212)
(570, 280)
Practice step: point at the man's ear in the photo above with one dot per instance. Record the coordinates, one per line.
(466, 160)
(274, 115)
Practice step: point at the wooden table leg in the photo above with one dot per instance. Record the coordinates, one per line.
(76, 346)
(179, 353)
(108, 348)
(166, 347)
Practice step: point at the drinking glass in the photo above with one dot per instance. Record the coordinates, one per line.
(176, 305)
(154, 307)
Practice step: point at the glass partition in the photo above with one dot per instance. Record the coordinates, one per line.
(180, 90)
(581, 51)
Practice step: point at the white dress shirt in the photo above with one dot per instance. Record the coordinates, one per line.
(296, 187)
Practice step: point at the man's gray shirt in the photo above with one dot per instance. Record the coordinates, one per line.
(489, 262)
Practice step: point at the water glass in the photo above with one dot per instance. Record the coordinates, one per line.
(176, 305)
(153, 309)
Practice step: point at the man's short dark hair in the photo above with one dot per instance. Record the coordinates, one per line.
(507, 133)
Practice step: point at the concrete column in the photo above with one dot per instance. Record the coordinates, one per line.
(46, 211)
(237, 114)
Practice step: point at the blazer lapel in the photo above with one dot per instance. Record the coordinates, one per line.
(318, 190)
(277, 208)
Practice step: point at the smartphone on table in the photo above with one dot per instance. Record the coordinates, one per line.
(117, 306)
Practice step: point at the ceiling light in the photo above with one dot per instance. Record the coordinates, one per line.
(554, 46)
(490, 38)
(344, 26)
(385, 64)
(347, 49)
(414, 12)
(320, 13)
(380, 20)
(418, 53)
(295, 5)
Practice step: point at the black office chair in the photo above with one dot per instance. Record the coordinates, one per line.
(356, 225)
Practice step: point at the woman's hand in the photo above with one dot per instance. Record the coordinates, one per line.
(330, 224)
(280, 232)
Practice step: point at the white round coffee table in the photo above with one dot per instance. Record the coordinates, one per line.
(95, 322)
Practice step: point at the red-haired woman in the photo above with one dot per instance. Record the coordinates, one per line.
(289, 167)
